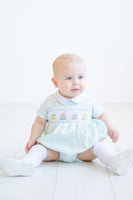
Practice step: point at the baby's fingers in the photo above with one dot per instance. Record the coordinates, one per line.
(29, 144)
(115, 136)
(26, 149)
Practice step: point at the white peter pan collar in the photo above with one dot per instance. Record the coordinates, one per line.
(76, 99)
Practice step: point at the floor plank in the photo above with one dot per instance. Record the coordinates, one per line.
(59, 180)
(39, 186)
(82, 180)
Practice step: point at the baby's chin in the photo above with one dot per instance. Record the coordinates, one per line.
(74, 93)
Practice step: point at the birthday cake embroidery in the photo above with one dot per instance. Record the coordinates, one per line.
(63, 116)
(84, 116)
(74, 116)
(53, 117)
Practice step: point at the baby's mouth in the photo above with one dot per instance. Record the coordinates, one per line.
(77, 88)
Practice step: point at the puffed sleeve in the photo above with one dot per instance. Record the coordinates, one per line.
(97, 109)
(43, 109)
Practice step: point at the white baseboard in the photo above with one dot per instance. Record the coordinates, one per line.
(112, 94)
(105, 94)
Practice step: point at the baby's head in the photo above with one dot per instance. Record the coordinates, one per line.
(69, 74)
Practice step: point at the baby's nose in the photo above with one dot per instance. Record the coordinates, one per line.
(75, 81)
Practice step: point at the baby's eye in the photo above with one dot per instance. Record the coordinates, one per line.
(69, 78)
(80, 77)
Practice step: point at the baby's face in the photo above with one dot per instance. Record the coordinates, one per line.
(69, 78)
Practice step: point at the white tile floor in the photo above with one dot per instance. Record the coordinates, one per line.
(58, 180)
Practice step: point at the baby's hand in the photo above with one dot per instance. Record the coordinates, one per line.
(29, 144)
(113, 134)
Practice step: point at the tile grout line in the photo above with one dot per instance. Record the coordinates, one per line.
(54, 193)
(108, 173)
(19, 148)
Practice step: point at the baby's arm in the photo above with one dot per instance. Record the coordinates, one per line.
(36, 132)
(112, 131)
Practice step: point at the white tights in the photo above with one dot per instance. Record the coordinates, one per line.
(118, 162)
(104, 152)
(36, 155)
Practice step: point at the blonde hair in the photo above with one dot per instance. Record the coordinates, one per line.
(68, 57)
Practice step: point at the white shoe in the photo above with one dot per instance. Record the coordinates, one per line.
(122, 162)
(16, 167)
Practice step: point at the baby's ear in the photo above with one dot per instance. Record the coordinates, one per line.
(55, 82)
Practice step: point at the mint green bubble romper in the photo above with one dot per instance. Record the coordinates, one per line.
(71, 127)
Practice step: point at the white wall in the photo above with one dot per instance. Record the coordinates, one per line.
(34, 32)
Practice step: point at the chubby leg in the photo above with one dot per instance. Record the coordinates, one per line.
(26, 165)
(119, 163)
(87, 155)
(51, 155)
(39, 153)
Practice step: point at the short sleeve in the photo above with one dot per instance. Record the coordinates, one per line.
(97, 109)
(42, 111)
